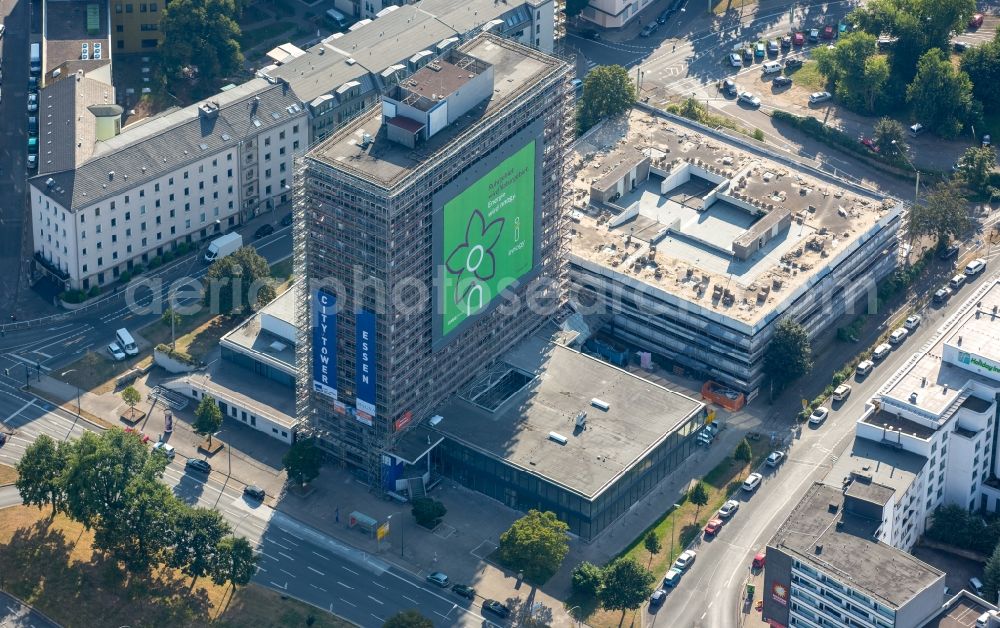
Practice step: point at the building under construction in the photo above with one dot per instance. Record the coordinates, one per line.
(431, 231)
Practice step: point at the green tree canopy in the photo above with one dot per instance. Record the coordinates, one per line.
(982, 64)
(991, 576)
(890, 137)
(587, 579)
(139, 533)
(428, 512)
(942, 214)
(788, 355)
(408, 619)
(699, 497)
(627, 584)
(535, 544)
(743, 453)
(857, 70)
(131, 397)
(239, 283)
(201, 34)
(196, 538)
(98, 471)
(975, 167)
(941, 96)
(303, 461)
(608, 90)
(207, 417)
(652, 544)
(40, 473)
(235, 562)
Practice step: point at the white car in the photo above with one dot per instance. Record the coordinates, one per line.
(898, 335)
(818, 97)
(864, 367)
(116, 352)
(912, 322)
(685, 559)
(752, 482)
(735, 61)
(775, 458)
(975, 267)
(818, 415)
(881, 351)
(729, 509)
(841, 392)
(748, 98)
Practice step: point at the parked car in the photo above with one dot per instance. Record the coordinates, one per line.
(898, 335)
(657, 598)
(685, 560)
(775, 458)
(881, 352)
(864, 367)
(818, 415)
(197, 464)
(976, 20)
(759, 50)
(987, 140)
(116, 352)
(286, 220)
(869, 143)
(771, 67)
(263, 230)
(817, 97)
(793, 64)
(464, 591)
(735, 60)
(949, 253)
(748, 54)
(576, 84)
(142, 437)
(590, 34)
(712, 527)
(663, 17)
(32, 103)
(773, 47)
(957, 282)
(841, 392)
(752, 483)
(439, 578)
(813, 35)
(729, 87)
(729, 509)
(781, 81)
(759, 560)
(975, 267)
(648, 29)
(786, 42)
(32, 84)
(672, 578)
(829, 32)
(748, 98)
(799, 39)
(912, 322)
(960, 46)
(496, 608)
(942, 295)
(254, 492)
(168, 450)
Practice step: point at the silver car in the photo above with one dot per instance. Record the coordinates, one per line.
(116, 352)
(748, 98)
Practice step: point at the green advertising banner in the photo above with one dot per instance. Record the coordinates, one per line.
(488, 237)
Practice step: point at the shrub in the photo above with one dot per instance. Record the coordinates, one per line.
(155, 262)
(73, 296)
(587, 579)
(94, 291)
(168, 256)
(758, 135)
(183, 248)
(124, 276)
(176, 354)
(137, 269)
(428, 512)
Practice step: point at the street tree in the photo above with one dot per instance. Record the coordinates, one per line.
(239, 283)
(743, 453)
(303, 461)
(788, 355)
(408, 619)
(857, 70)
(170, 316)
(428, 512)
(699, 497)
(627, 584)
(941, 96)
(943, 214)
(587, 580)
(889, 136)
(975, 167)
(139, 533)
(200, 35)
(234, 562)
(207, 418)
(196, 539)
(608, 90)
(131, 397)
(652, 544)
(40, 474)
(991, 576)
(982, 64)
(535, 545)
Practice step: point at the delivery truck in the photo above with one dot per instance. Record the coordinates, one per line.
(223, 246)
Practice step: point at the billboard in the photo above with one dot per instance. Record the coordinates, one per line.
(324, 343)
(365, 365)
(486, 226)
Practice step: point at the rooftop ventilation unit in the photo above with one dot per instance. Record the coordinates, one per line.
(557, 437)
(600, 404)
(581, 420)
(434, 420)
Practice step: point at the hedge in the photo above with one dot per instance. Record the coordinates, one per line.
(835, 137)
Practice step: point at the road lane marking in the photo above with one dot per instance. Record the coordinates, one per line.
(270, 540)
(286, 556)
(283, 588)
(345, 602)
(410, 599)
(315, 570)
(346, 569)
(23, 408)
(321, 556)
(260, 569)
(293, 543)
(344, 585)
(287, 572)
(316, 587)
(375, 599)
(293, 536)
(381, 621)
(379, 585)
(445, 616)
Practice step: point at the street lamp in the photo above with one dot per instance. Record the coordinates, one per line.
(388, 519)
(27, 374)
(673, 524)
(63, 374)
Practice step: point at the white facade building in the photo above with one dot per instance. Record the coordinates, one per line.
(179, 177)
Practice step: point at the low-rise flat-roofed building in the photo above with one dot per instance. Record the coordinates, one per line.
(692, 246)
(265, 343)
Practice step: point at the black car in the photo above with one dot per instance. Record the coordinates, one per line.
(590, 35)
(949, 253)
(3, 438)
(465, 591)
(286, 220)
(197, 464)
(791, 64)
(32, 84)
(781, 81)
(255, 492)
(263, 230)
(729, 87)
(496, 607)
(663, 17)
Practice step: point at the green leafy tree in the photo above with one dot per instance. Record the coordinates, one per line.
(428, 512)
(303, 461)
(975, 167)
(699, 497)
(608, 90)
(743, 452)
(207, 418)
(982, 64)
(890, 136)
(98, 471)
(239, 283)
(40, 474)
(788, 355)
(857, 70)
(408, 619)
(131, 397)
(196, 539)
(919, 25)
(944, 212)
(535, 545)
(991, 576)
(652, 544)
(941, 96)
(201, 34)
(234, 562)
(170, 315)
(587, 580)
(139, 533)
(627, 584)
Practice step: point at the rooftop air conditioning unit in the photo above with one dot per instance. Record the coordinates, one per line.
(557, 437)
(600, 404)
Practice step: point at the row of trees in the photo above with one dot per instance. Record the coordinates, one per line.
(622, 585)
(111, 483)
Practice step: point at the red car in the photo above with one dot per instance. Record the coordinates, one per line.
(828, 32)
(132, 430)
(713, 527)
(976, 20)
(799, 39)
(868, 143)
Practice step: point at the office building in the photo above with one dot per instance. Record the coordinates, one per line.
(691, 246)
(136, 25)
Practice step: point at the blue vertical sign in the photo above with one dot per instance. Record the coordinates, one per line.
(324, 343)
(365, 363)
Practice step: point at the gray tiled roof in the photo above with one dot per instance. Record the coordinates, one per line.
(66, 128)
(165, 143)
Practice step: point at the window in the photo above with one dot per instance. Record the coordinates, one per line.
(143, 8)
(267, 156)
(267, 141)
(112, 206)
(215, 178)
(114, 222)
(187, 223)
(128, 8)
(201, 185)
(295, 145)
(171, 197)
(229, 173)
(152, 7)
(146, 28)
(118, 27)
(100, 262)
(97, 228)
(281, 168)
(126, 199)
(267, 173)
(295, 129)
(281, 135)
(85, 266)
(118, 7)
(185, 174)
(128, 215)
(281, 151)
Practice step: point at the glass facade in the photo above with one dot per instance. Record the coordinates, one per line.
(523, 490)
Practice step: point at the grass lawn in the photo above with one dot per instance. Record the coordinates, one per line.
(8, 475)
(808, 76)
(282, 271)
(721, 482)
(255, 36)
(52, 566)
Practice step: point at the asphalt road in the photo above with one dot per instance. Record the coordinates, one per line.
(15, 614)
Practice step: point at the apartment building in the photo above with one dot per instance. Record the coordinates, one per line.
(107, 198)
(136, 25)
(612, 13)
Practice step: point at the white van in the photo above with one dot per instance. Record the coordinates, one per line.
(956, 282)
(126, 342)
(881, 351)
(771, 67)
(975, 267)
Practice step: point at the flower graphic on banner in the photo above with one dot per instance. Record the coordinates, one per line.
(474, 256)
